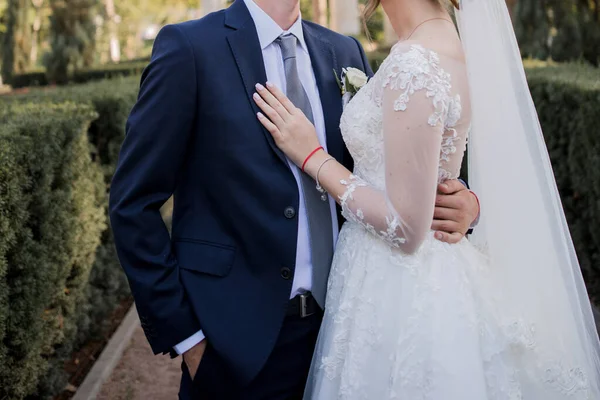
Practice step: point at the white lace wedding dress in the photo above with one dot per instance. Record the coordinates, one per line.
(408, 317)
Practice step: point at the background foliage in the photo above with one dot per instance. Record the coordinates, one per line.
(67, 36)
(72, 38)
(105, 106)
(562, 30)
(51, 217)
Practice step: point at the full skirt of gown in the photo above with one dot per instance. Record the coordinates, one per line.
(427, 326)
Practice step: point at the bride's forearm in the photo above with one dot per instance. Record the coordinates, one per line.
(330, 174)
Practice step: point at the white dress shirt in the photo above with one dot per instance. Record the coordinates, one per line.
(268, 31)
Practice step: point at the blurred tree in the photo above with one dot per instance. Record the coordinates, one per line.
(566, 43)
(511, 6)
(136, 19)
(532, 27)
(308, 8)
(564, 30)
(112, 21)
(72, 37)
(3, 5)
(15, 43)
(37, 26)
(589, 23)
(373, 29)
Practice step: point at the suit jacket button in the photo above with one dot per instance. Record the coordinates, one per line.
(289, 212)
(286, 273)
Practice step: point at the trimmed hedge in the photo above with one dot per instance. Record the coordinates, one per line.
(567, 98)
(107, 286)
(38, 77)
(51, 217)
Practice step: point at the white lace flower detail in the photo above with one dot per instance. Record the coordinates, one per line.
(393, 224)
(419, 69)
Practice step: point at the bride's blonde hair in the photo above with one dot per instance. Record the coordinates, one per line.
(373, 4)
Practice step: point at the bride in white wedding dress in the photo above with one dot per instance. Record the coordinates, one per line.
(409, 317)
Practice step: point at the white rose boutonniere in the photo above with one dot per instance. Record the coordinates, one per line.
(351, 81)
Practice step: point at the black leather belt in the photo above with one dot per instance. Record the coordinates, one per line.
(303, 305)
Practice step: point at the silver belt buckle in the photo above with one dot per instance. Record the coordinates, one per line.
(303, 307)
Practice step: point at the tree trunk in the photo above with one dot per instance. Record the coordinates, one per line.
(511, 6)
(320, 12)
(345, 17)
(37, 25)
(15, 49)
(115, 48)
(533, 28)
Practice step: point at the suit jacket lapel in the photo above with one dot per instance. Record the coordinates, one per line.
(324, 64)
(245, 46)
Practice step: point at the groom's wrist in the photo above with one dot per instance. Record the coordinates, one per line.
(189, 342)
(478, 214)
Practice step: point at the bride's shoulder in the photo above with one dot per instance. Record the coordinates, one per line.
(408, 60)
(413, 53)
(409, 68)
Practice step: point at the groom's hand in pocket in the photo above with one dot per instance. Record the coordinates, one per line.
(193, 358)
(455, 210)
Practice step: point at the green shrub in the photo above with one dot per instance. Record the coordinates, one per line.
(51, 217)
(111, 71)
(111, 100)
(30, 78)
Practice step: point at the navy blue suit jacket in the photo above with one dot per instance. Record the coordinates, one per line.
(228, 267)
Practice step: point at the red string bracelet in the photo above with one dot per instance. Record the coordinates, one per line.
(310, 155)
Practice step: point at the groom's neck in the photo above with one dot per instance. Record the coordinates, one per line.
(284, 12)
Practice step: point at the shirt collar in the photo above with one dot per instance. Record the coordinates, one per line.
(268, 30)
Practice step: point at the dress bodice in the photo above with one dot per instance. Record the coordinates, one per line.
(407, 69)
(406, 130)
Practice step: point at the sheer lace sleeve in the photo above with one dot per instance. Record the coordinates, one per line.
(414, 105)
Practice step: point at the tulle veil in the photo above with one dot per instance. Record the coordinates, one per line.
(523, 228)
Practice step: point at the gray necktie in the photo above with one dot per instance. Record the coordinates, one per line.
(319, 212)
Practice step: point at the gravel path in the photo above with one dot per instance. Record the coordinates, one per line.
(141, 375)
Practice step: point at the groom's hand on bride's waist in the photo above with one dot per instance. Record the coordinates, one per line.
(455, 210)
(193, 357)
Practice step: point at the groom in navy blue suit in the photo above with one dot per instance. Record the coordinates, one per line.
(236, 288)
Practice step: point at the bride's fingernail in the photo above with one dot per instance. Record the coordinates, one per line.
(259, 86)
(439, 236)
(269, 84)
(256, 96)
(259, 115)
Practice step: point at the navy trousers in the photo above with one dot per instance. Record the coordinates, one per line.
(282, 378)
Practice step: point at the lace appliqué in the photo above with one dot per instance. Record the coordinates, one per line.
(414, 71)
(419, 69)
(392, 222)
